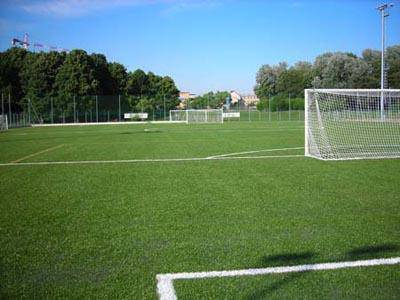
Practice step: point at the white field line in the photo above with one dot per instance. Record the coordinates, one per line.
(255, 151)
(125, 161)
(106, 123)
(36, 153)
(166, 291)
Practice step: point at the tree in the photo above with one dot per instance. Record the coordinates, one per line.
(76, 78)
(340, 70)
(209, 100)
(102, 75)
(294, 80)
(119, 78)
(12, 63)
(170, 92)
(267, 79)
(137, 83)
(393, 61)
(38, 78)
(373, 59)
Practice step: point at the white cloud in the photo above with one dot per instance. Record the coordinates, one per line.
(76, 8)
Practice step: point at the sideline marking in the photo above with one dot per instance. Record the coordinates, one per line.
(166, 291)
(76, 162)
(255, 151)
(106, 123)
(35, 154)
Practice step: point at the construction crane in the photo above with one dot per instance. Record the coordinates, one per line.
(36, 46)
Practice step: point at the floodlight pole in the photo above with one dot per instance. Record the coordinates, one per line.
(384, 15)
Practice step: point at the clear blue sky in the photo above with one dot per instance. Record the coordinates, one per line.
(203, 44)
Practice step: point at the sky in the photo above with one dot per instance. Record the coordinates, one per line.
(202, 44)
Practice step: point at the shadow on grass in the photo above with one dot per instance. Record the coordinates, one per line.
(264, 293)
(372, 251)
(283, 259)
(288, 259)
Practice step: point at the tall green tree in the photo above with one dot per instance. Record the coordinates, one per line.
(340, 70)
(38, 78)
(12, 62)
(393, 60)
(119, 77)
(76, 78)
(267, 79)
(102, 75)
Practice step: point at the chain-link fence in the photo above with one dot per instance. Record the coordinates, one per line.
(117, 108)
(252, 115)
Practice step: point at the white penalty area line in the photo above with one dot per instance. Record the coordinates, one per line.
(166, 291)
(254, 151)
(126, 161)
(36, 153)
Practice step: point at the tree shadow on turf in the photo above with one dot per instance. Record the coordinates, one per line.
(374, 251)
(287, 259)
(283, 259)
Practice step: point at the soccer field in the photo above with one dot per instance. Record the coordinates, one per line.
(100, 211)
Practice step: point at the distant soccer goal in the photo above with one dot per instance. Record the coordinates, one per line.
(352, 124)
(3, 122)
(197, 116)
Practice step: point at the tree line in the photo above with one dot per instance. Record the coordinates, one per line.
(39, 77)
(208, 100)
(330, 70)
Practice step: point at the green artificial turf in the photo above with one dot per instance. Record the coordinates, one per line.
(107, 230)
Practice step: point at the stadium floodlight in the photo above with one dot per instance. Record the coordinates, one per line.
(384, 14)
(347, 124)
(197, 115)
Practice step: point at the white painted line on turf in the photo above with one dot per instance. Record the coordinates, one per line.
(166, 291)
(126, 161)
(36, 153)
(254, 151)
(106, 123)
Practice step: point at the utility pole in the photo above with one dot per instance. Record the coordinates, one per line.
(384, 14)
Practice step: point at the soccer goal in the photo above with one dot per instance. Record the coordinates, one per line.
(352, 124)
(3, 122)
(197, 116)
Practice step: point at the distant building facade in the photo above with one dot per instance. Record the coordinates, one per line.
(245, 99)
(184, 97)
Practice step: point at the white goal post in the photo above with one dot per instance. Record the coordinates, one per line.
(345, 124)
(3, 122)
(197, 115)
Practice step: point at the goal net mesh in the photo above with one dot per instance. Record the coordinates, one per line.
(197, 115)
(3, 123)
(352, 124)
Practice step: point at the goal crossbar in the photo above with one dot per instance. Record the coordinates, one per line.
(197, 115)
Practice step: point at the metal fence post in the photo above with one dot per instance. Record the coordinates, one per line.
(9, 108)
(29, 111)
(52, 110)
(74, 110)
(2, 103)
(119, 108)
(97, 110)
(269, 108)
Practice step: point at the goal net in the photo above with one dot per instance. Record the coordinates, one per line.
(197, 115)
(352, 124)
(3, 123)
